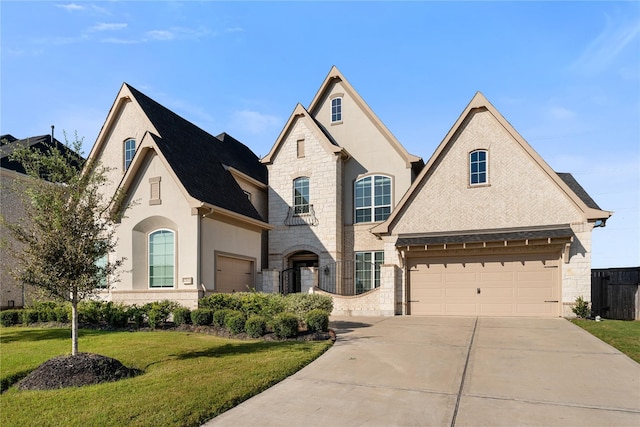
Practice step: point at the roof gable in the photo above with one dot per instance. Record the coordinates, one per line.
(574, 195)
(321, 135)
(334, 77)
(40, 143)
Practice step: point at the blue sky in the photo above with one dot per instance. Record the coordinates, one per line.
(565, 74)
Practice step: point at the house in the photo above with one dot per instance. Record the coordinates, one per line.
(196, 215)
(12, 176)
(484, 228)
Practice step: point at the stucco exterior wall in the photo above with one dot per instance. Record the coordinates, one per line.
(143, 218)
(129, 122)
(230, 239)
(518, 194)
(324, 169)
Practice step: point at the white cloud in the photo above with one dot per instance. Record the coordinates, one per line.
(160, 35)
(607, 45)
(71, 7)
(104, 26)
(255, 122)
(561, 113)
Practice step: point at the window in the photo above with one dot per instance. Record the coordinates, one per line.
(301, 196)
(336, 110)
(161, 259)
(129, 151)
(368, 270)
(373, 198)
(478, 167)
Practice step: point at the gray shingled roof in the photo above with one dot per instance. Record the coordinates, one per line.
(473, 236)
(198, 159)
(577, 188)
(41, 143)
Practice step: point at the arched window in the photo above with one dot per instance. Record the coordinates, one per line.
(336, 110)
(129, 151)
(301, 195)
(478, 167)
(162, 259)
(372, 198)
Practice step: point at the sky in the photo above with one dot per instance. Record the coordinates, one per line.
(566, 75)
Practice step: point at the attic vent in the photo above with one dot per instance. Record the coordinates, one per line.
(154, 193)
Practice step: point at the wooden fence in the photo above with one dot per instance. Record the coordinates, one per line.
(615, 293)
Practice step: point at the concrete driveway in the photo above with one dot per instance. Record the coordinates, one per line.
(437, 371)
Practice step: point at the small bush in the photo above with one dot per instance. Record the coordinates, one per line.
(90, 312)
(63, 313)
(202, 316)
(220, 301)
(219, 316)
(136, 315)
(181, 316)
(29, 316)
(285, 325)
(234, 321)
(581, 307)
(255, 326)
(9, 317)
(317, 320)
(301, 304)
(115, 315)
(158, 312)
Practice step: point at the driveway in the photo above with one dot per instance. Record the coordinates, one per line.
(453, 371)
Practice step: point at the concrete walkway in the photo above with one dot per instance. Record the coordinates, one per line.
(437, 371)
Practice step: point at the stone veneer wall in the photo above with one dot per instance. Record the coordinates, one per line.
(576, 275)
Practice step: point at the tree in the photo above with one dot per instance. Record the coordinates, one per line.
(68, 230)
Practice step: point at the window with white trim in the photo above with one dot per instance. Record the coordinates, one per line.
(478, 167)
(336, 110)
(367, 270)
(301, 195)
(129, 151)
(372, 198)
(162, 259)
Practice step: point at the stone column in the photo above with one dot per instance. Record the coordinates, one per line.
(270, 281)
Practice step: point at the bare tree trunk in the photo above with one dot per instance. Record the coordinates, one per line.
(74, 324)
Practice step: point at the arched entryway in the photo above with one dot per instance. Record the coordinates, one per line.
(290, 277)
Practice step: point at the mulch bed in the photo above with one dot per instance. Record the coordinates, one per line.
(75, 371)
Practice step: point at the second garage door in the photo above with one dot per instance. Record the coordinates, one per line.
(233, 274)
(490, 285)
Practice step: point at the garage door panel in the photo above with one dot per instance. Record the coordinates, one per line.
(510, 285)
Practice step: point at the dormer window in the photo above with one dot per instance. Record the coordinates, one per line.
(129, 151)
(478, 167)
(336, 110)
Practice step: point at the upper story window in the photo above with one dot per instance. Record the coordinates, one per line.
(129, 151)
(372, 198)
(301, 195)
(336, 110)
(162, 259)
(478, 167)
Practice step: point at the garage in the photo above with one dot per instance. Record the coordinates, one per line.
(234, 274)
(509, 272)
(485, 285)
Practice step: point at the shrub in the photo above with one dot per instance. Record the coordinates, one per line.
(9, 317)
(219, 316)
(63, 313)
(202, 316)
(136, 315)
(90, 312)
(220, 301)
(317, 320)
(285, 325)
(29, 316)
(158, 312)
(46, 311)
(115, 314)
(255, 326)
(581, 307)
(301, 304)
(234, 321)
(181, 316)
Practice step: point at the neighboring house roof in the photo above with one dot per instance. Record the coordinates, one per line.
(41, 143)
(197, 158)
(316, 128)
(565, 182)
(335, 74)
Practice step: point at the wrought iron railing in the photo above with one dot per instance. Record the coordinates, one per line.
(301, 218)
(343, 278)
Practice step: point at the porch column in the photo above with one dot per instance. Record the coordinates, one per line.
(388, 278)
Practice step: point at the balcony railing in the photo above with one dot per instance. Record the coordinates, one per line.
(303, 218)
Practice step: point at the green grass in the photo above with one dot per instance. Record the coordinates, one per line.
(621, 334)
(188, 378)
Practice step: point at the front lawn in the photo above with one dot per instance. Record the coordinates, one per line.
(621, 334)
(188, 378)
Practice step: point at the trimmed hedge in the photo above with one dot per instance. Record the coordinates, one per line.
(9, 317)
(182, 316)
(317, 320)
(219, 316)
(285, 325)
(234, 321)
(202, 316)
(255, 326)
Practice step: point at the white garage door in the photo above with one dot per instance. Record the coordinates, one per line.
(491, 285)
(233, 274)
